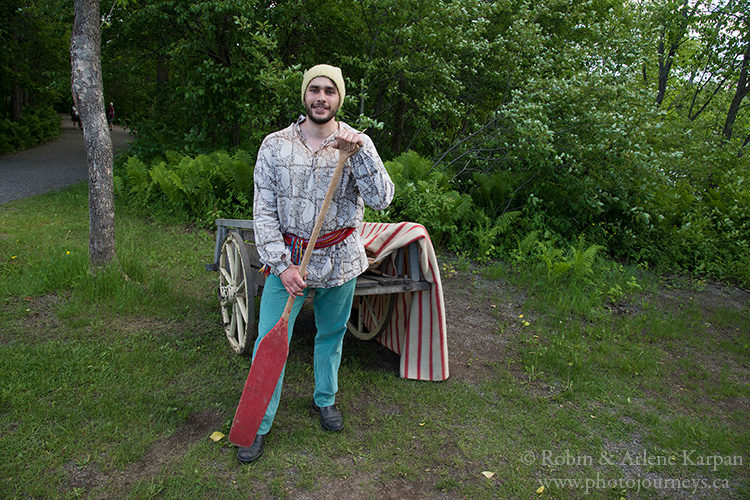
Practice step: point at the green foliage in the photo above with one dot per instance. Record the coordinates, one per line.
(669, 227)
(577, 261)
(580, 148)
(210, 79)
(424, 194)
(550, 111)
(198, 189)
(35, 54)
(37, 125)
(488, 233)
(712, 234)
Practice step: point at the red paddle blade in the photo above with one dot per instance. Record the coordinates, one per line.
(261, 382)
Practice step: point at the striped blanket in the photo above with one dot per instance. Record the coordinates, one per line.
(417, 330)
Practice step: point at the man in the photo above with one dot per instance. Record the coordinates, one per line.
(110, 114)
(292, 174)
(75, 117)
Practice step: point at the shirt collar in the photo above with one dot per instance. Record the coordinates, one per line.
(328, 139)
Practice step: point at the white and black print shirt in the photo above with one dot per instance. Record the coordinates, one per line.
(291, 181)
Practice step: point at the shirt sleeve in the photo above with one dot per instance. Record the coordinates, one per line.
(269, 240)
(374, 183)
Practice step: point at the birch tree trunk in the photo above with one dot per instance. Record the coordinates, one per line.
(88, 94)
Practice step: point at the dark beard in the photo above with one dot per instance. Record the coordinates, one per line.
(319, 121)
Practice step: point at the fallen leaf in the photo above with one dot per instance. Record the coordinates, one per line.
(217, 436)
(488, 474)
(540, 490)
(520, 316)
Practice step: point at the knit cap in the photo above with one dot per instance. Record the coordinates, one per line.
(331, 72)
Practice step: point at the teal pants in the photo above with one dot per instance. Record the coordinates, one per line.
(332, 307)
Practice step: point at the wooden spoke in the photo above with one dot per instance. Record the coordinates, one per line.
(226, 275)
(239, 333)
(373, 310)
(243, 308)
(231, 261)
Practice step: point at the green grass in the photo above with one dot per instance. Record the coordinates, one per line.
(110, 387)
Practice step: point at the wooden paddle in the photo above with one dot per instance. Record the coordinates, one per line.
(274, 347)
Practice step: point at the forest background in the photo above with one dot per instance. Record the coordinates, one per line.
(537, 131)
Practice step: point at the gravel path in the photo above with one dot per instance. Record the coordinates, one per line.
(49, 166)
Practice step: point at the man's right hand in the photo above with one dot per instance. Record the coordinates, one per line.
(292, 280)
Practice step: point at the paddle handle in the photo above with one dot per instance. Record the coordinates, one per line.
(343, 156)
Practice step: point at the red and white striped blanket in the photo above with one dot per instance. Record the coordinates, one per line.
(417, 330)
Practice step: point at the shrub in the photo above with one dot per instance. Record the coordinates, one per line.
(633, 217)
(37, 125)
(425, 194)
(198, 189)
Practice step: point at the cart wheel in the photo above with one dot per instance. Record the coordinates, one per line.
(237, 290)
(375, 310)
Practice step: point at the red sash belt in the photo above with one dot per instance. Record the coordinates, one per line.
(298, 244)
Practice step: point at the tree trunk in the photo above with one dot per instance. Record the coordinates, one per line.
(85, 59)
(162, 71)
(15, 103)
(743, 86)
(397, 139)
(15, 95)
(665, 66)
(666, 60)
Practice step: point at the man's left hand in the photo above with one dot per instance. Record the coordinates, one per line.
(348, 140)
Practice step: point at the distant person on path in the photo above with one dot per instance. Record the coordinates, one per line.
(75, 118)
(110, 114)
(292, 173)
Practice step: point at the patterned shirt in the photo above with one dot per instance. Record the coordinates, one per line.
(291, 181)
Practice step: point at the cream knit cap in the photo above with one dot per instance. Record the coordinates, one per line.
(331, 72)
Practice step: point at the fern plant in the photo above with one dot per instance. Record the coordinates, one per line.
(486, 233)
(137, 178)
(198, 189)
(582, 260)
(524, 247)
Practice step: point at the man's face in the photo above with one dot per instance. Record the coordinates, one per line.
(321, 100)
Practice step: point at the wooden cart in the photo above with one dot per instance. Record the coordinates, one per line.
(240, 283)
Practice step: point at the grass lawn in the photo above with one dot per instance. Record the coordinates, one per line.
(621, 385)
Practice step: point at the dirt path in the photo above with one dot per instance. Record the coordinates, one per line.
(49, 166)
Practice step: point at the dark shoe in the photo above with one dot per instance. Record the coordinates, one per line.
(330, 418)
(251, 453)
